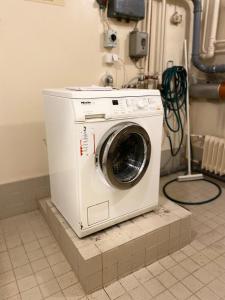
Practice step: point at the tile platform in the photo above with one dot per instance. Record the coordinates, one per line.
(104, 257)
(32, 265)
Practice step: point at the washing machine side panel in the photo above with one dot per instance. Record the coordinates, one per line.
(122, 203)
(62, 157)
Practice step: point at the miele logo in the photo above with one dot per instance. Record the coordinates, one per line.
(85, 102)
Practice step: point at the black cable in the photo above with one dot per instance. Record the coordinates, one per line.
(173, 92)
(189, 202)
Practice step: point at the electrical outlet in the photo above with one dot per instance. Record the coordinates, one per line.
(110, 38)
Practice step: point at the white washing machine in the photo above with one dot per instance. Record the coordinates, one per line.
(104, 152)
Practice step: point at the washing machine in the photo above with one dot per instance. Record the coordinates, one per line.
(104, 149)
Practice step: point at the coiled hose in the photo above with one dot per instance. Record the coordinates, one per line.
(173, 92)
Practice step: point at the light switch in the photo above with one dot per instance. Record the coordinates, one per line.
(54, 2)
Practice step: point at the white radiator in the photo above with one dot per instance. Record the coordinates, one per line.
(213, 159)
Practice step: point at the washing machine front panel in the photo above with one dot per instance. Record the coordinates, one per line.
(98, 195)
(123, 155)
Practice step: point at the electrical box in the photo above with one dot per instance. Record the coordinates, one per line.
(138, 44)
(110, 38)
(126, 9)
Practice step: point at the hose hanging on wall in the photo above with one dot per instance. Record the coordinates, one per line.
(173, 92)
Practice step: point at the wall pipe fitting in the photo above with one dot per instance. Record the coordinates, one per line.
(208, 90)
(197, 41)
(210, 51)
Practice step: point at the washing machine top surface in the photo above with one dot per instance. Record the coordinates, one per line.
(107, 104)
(98, 92)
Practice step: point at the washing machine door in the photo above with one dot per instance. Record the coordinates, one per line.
(123, 155)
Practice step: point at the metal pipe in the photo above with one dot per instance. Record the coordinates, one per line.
(210, 51)
(197, 41)
(208, 90)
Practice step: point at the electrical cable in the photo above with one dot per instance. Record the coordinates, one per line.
(173, 92)
(189, 202)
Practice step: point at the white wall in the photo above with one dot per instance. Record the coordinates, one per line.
(45, 46)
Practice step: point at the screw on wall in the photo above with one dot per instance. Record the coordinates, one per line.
(176, 18)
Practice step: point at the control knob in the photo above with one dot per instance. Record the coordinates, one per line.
(141, 104)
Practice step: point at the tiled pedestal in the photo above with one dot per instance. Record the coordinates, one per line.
(104, 257)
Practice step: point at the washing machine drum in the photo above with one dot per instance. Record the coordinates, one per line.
(123, 155)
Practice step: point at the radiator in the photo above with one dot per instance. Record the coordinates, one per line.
(213, 159)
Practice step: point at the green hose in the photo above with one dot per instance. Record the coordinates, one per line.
(173, 92)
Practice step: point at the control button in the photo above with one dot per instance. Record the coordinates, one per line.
(141, 104)
(129, 102)
(115, 102)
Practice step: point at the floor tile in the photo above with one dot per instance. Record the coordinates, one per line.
(115, 290)
(156, 268)
(178, 272)
(167, 262)
(35, 255)
(9, 290)
(167, 279)
(49, 288)
(140, 293)
(178, 256)
(27, 236)
(57, 296)
(154, 287)
(189, 250)
(193, 297)
(61, 268)
(32, 294)
(55, 258)
(39, 264)
(17, 297)
(46, 241)
(124, 297)
(200, 259)
(189, 265)
(74, 292)
(44, 275)
(165, 296)
(217, 287)
(23, 271)
(26, 283)
(129, 282)
(67, 280)
(180, 291)
(206, 294)
(32, 246)
(143, 275)
(99, 295)
(51, 249)
(6, 278)
(204, 275)
(192, 283)
(13, 241)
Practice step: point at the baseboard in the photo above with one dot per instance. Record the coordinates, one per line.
(22, 196)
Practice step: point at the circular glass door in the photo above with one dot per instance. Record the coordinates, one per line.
(123, 155)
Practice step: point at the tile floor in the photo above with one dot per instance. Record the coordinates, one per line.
(32, 265)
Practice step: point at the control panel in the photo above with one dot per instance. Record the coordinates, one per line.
(116, 108)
